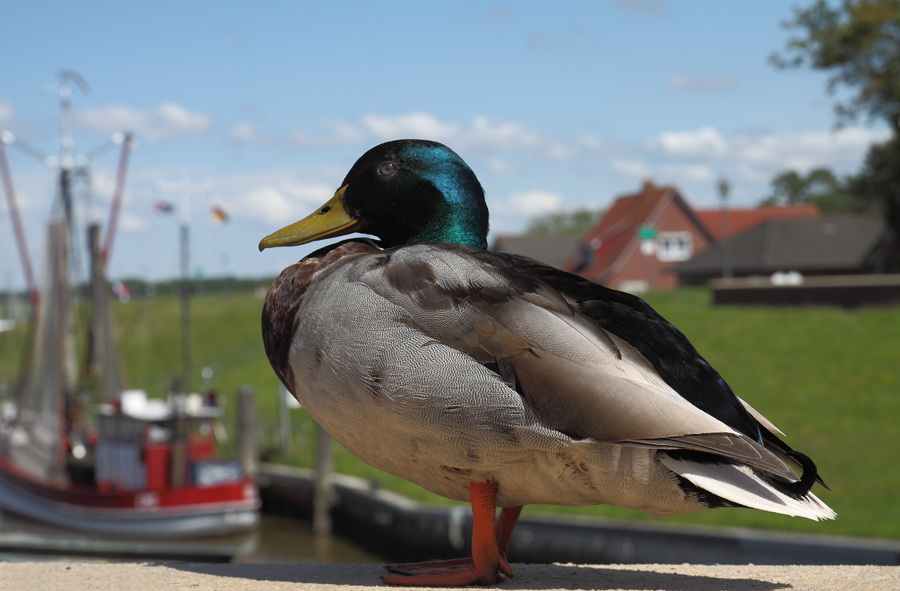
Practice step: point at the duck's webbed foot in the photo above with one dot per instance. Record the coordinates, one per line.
(490, 541)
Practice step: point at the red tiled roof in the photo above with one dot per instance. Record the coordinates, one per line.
(618, 227)
(740, 220)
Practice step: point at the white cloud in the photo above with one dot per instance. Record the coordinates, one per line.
(281, 203)
(128, 220)
(483, 134)
(664, 174)
(344, 132)
(7, 112)
(534, 202)
(103, 187)
(494, 135)
(165, 121)
(806, 150)
(688, 173)
(243, 133)
(591, 142)
(699, 156)
(750, 174)
(690, 83)
(412, 126)
(131, 222)
(774, 151)
(630, 168)
(499, 166)
(705, 142)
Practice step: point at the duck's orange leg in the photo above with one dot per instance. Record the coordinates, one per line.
(505, 525)
(489, 543)
(503, 528)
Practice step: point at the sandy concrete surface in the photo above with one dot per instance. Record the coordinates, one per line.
(40, 576)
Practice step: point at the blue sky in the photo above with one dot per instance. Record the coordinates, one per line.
(554, 105)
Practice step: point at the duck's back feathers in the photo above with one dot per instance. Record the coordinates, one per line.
(577, 377)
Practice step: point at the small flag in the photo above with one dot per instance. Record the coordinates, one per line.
(218, 215)
(163, 207)
(122, 291)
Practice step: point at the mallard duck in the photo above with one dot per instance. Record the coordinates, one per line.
(492, 378)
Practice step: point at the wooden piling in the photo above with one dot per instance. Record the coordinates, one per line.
(322, 497)
(246, 431)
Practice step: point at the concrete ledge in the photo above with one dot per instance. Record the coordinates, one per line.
(403, 531)
(350, 577)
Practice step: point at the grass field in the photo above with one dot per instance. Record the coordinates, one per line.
(829, 378)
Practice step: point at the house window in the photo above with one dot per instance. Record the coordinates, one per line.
(674, 246)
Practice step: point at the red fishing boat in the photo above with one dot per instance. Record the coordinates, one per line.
(82, 452)
(150, 473)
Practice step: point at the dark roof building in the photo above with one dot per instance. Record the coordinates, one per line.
(551, 249)
(828, 245)
(739, 220)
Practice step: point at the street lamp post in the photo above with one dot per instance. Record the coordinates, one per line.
(724, 188)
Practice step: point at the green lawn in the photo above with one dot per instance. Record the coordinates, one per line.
(827, 377)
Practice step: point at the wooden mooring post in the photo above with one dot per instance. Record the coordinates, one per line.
(246, 431)
(322, 495)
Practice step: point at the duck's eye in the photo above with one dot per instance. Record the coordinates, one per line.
(387, 169)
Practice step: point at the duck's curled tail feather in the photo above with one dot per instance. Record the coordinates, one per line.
(742, 486)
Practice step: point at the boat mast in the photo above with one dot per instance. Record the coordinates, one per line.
(69, 167)
(66, 168)
(185, 189)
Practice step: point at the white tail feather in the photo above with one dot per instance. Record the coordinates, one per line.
(740, 485)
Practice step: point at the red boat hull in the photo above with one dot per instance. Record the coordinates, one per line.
(189, 511)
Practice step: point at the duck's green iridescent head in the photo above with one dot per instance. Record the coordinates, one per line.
(403, 192)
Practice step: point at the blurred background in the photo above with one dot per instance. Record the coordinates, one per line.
(576, 117)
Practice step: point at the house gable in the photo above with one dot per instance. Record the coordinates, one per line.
(611, 252)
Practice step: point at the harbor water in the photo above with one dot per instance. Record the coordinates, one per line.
(275, 540)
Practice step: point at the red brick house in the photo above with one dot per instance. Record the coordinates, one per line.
(614, 254)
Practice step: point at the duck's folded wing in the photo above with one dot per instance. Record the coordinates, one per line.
(576, 377)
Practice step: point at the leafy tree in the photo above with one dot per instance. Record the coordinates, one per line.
(578, 221)
(820, 187)
(878, 183)
(858, 42)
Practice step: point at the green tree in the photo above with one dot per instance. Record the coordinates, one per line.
(858, 43)
(819, 187)
(578, 221)
(878, 183)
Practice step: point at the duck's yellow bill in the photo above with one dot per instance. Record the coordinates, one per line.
(330, 220)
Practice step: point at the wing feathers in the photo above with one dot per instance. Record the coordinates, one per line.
(575, 376)
(731, 446)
